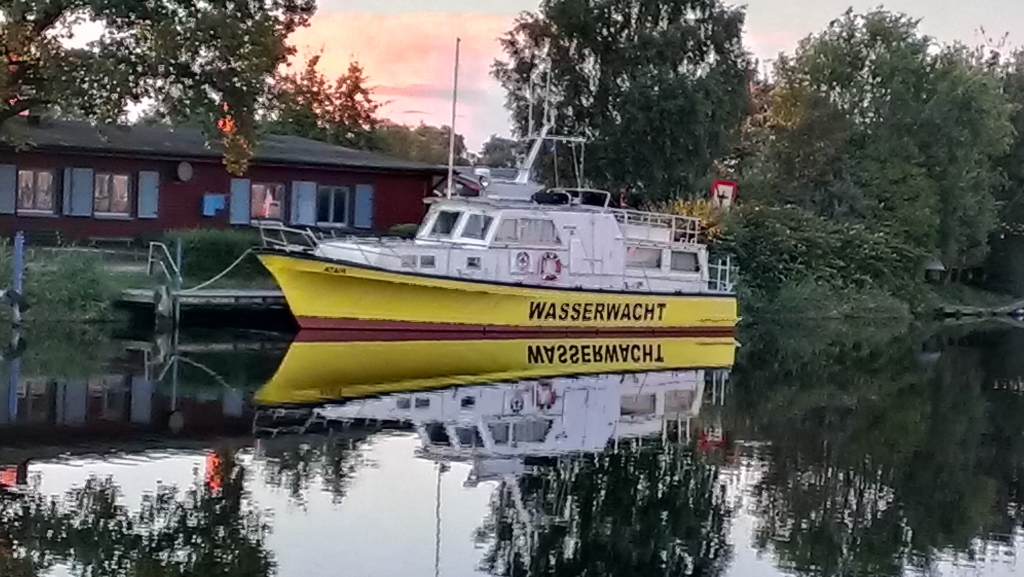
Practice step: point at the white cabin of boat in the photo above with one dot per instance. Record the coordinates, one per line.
(518, 231)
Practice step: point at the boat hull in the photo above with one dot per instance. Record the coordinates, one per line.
(329, 295)
(316, 371)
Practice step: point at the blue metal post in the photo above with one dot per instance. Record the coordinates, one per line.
(18, 264)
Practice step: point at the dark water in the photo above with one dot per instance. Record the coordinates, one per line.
(824, 450)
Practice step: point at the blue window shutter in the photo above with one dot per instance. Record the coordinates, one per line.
(364, 207)
(303, 209)
(240, 201)
(149, 194)
(8, 188)
(82, 182)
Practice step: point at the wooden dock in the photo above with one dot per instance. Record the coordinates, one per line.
(222, 299)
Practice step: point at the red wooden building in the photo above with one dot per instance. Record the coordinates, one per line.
(83, 182)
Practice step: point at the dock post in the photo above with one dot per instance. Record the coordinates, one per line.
(18, 266)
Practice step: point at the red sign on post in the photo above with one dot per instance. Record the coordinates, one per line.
(723, 193)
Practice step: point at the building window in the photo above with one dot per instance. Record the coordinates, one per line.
(111, 193)
(265, 200)
(35, 191)
(333, 205)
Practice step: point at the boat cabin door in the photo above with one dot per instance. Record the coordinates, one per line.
(580, 262)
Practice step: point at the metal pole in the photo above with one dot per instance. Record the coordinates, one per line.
(178, 279)
(18, 266)
(451, 136)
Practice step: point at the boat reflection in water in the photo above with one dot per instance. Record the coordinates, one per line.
(495, 403)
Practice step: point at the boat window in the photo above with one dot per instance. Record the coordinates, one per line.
(469, 437)
(531, 430)
(499, 432)
(638, 257)
(445, 223)
(468, 402)
(408, 261)
(437, 434)
(532, 231)
(428, 261)
(473, 262)
(422, 403)
(685, 261)
(477, 226)
(637, 405)
(403, 403)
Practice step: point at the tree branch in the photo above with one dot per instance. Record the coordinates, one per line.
(19, 107)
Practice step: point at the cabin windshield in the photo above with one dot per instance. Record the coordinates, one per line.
(444, 224)
(477, 226)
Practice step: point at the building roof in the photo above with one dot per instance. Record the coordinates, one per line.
(189, 143)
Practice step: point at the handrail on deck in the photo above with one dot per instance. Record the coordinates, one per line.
(683, 229)
(274, 234)
(161, 255)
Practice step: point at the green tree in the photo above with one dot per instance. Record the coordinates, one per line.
(871, 122)
(200, 61)
(499, 152)
(342, 112)
(659, 85)
(423, 143)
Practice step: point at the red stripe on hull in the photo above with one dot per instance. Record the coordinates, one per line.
(322, 329)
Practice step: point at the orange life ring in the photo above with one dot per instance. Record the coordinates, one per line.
(553, 274)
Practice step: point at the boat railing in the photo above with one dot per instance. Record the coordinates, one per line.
(275, 235)
(722, 275)
(646, 225)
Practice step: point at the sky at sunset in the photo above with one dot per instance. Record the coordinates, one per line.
(407, 46)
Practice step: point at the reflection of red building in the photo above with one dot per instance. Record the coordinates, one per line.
(114, 405)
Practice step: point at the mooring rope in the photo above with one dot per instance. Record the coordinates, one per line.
(219, 276)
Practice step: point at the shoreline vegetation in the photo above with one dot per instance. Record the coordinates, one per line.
(81, 286)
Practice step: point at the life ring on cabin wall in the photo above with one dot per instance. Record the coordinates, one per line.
(523, 261)
(550, 266)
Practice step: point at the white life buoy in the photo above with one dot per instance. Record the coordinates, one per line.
(550, 266)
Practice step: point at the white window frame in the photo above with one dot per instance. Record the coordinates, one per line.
(350, 199)
(460, 229)
(518, 243)
(109, 179)
(52, 211)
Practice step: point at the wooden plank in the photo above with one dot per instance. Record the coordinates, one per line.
(226, 298)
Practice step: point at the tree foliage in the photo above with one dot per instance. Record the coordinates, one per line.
(659, 85)
(870, 122)
(341, 112)
(205, 62)
(500, 152)
(423, 143)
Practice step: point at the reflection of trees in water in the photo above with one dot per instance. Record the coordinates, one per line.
(206, 530)
(294, 464)
(649, 511)
(877, 461)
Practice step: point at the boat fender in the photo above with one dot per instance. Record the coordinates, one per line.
(553, 272)
(523, 261)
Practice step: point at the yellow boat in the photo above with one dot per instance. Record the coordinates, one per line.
(316, 371)
(517, 257)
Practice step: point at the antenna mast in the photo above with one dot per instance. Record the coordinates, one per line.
(451, 135)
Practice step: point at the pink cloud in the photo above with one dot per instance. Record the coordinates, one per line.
(410, 60)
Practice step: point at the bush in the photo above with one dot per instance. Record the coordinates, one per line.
(208, 252)
(783, 247)
(62, 286)
(404, 230)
